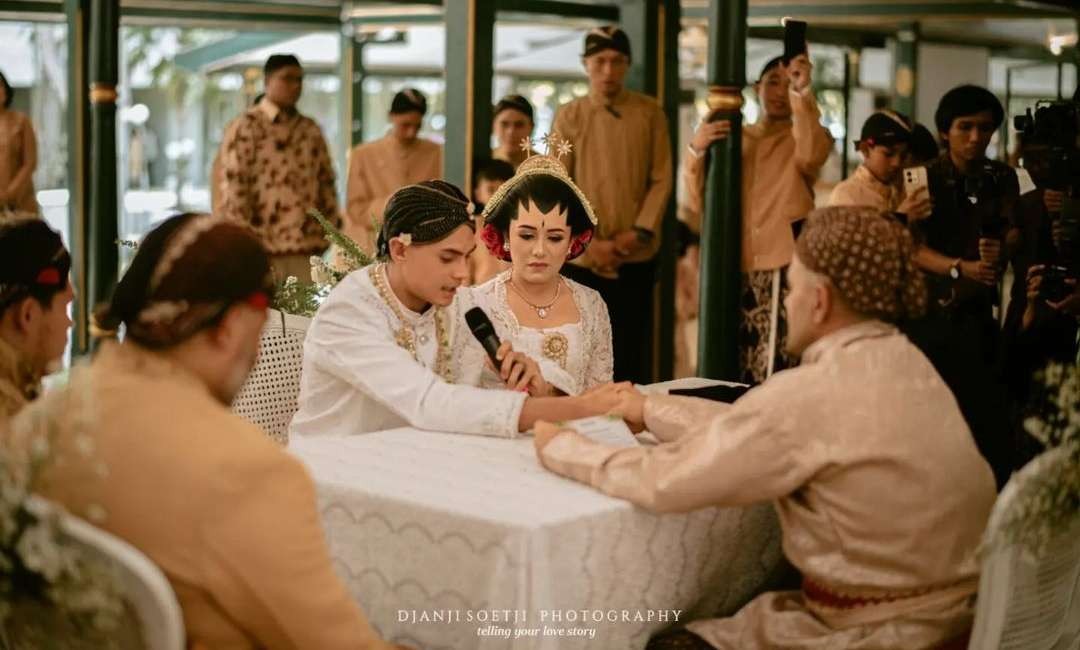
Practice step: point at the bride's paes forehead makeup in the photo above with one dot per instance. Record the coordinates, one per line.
(532, 217)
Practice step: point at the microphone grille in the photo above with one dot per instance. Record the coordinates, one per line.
(477, 319)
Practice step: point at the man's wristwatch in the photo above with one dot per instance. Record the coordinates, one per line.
(954, 269)
(644, 235)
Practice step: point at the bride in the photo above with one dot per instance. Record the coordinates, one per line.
(537, 221)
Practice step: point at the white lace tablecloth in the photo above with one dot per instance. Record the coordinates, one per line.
(465, 542)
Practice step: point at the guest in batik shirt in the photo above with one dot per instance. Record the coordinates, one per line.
(881, 492)
(227, 514)
(34, 296)
(275, 167)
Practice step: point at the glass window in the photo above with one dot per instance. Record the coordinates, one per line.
(34, 61)
(180, 88)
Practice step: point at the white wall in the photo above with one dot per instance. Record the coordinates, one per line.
(942, 67)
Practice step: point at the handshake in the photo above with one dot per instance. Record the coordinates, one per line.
(620, 400)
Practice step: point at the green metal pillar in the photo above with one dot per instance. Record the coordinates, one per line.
(851, 74)
(653, 27)
(721, 255)
(104, 72)
(470, 45)
(906, 70)
(78, 116)
(352, 77)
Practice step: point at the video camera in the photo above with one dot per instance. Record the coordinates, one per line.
(1051, 149)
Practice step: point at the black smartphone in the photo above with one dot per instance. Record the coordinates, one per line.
(794, 39)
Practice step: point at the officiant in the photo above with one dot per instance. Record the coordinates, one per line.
(883, 532)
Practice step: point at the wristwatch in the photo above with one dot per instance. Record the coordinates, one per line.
(644, 235)
(954, 269)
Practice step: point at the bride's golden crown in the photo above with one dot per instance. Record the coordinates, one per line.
(549, 163)
(556, 148)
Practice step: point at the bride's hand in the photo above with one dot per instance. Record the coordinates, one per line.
(520, 372)
(617, 400)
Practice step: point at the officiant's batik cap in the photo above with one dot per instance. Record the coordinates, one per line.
(608, 37)
(33, 261)
(186, 274)
(425, 213)
(868, 257)
(409, 100)
(543, 181)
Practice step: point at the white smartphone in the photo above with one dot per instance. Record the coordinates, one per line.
(914, 178)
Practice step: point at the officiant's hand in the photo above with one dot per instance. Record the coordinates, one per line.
(545, 432)
(631, 407)
(520, 372)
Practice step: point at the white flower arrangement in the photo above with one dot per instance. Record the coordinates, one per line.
(1047, 502)
(303, 298)
(39, 567)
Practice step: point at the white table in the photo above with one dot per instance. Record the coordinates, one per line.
(458, 526)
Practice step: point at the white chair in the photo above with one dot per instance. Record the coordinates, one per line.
(145, 589)
(1027, 604)
(268, 398)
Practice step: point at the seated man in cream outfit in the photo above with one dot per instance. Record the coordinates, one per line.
(148, 450)
(881, 492)
(390, 346)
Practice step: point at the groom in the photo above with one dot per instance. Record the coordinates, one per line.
(390, 348)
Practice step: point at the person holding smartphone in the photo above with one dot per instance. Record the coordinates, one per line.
(782, 155)
(885, 145)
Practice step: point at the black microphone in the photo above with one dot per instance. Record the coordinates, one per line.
(481, 327)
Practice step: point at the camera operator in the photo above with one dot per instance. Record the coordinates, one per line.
(964, 246)
(1042, 323)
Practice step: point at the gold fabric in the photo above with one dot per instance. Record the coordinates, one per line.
(878, 484)
(377, 170)
(780, 164)
(18, 384)
(18, 158)
(622, 163)
(227, 515)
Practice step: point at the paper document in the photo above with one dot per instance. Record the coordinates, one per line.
(605, 430)
(687, 382)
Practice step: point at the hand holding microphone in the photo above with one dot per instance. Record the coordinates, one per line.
(518, 371)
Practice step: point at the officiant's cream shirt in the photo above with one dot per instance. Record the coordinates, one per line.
(881, 492)
(357, 379)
